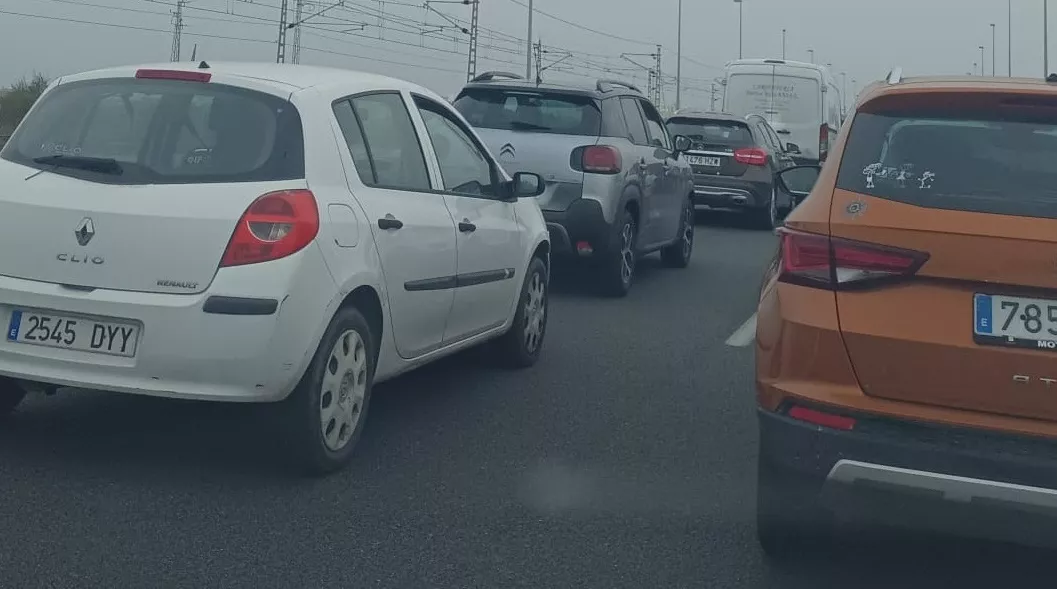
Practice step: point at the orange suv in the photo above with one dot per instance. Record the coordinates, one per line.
(906, 342)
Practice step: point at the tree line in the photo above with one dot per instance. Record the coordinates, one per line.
(16, 99)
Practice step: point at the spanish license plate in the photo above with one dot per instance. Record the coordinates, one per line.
(1015, 321)
(701, 160)
(73, 333)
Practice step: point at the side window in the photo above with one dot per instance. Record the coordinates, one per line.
(633, 118)
(392, 145)
(464, 168)
(655, 126)
(613, 119)
(353, 133)
(765, 137)
(774, 138)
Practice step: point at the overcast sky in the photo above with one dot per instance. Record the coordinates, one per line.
(862, 38)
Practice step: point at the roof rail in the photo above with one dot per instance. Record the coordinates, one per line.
(895, 76)
(488, 76)
(600, 86)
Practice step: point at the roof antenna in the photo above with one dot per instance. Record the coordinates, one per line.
(203, 65)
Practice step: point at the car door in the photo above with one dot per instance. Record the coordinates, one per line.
(489, 241)
(670, 192)
(783, 158)
(642, 165)
(413, 231)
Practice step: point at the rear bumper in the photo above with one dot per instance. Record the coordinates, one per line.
(752, 191)
(921, 476)
(244, 339)
(582, 221)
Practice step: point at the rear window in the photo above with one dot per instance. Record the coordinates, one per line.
(785, 99)
(163, 132)
(995, 161)
(711, 132)
(538, 112)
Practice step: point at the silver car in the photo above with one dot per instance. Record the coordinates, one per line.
(618, 185)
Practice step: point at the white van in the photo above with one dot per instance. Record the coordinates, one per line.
(800, 100)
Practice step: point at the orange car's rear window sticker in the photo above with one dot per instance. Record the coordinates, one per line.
(896, 176)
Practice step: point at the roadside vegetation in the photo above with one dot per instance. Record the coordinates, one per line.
(16, 99)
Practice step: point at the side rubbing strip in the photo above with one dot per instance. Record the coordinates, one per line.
(469, 279)
(441, 283)
(239, 306)
(475, 278)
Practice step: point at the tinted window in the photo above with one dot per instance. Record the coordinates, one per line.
(999, 161)
(613, 119)
(773, 137)
(633, 118)
(655, 126)
(392, 143)
(350, 128)
(711, 132)
(541, 112)
(463, 166)
(164, 132)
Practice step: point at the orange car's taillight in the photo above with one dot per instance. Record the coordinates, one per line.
(833, 263)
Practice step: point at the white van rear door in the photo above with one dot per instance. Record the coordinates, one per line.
(791, 104)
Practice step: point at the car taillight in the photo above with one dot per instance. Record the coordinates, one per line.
(835, 263)
(173, 75)
(823, 142)
(274, 226)
(753, 156)
(602, 159)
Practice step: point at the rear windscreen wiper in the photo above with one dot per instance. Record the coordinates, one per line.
(102, 165)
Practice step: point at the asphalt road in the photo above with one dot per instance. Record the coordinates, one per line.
(624, 459)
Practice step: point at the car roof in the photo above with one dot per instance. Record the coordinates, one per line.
(592, 91)
(284, 78)
(694, 113)
(926, 84)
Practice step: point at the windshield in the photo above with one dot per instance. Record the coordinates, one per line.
(784, 99)
(541, 112)
(161, 132)
(711, 132)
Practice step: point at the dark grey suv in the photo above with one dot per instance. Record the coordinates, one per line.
(618, 186)
(734, 160)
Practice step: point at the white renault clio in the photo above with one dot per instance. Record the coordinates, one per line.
(258, 232)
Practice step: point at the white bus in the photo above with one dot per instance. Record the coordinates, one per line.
(800, 100)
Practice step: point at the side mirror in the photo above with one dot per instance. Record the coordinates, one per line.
(681, 143)
(527, 184)
(792, 148)
(797, 181)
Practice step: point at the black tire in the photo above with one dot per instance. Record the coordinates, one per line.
(677, 255)
(769, 217)
(303, 410)
(515, 348)
(11, 395)
(616, 278)
(790, 520)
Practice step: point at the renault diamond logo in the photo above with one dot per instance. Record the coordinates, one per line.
(507, 150)
(85, 231)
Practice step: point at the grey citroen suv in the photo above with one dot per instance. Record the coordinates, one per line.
(618, 186)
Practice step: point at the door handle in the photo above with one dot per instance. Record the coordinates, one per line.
(390, 222)
(466, 226)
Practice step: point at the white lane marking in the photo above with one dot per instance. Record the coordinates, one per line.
(743, 335)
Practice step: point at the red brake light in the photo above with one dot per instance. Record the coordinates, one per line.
(602, 159)
(820, 418)
(834, 263)
(753, 156)
(276, 225)
(173, 75)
